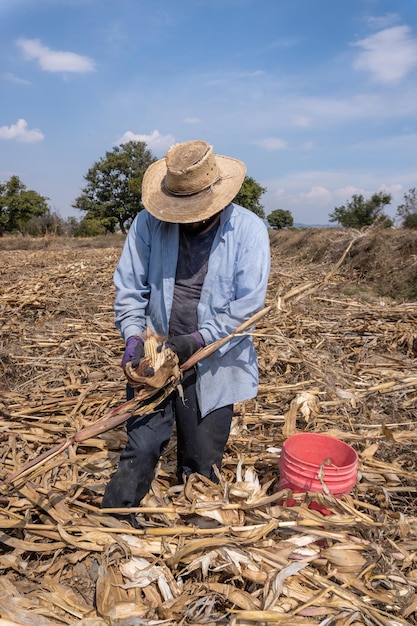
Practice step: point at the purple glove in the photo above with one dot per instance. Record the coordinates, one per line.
(185, 345)
(134, 351)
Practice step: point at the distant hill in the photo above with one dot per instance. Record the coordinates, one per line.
(383, 258)
(299, 225)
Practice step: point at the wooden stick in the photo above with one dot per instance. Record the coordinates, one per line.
(203, 353)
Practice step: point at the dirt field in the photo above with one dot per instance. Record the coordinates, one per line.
(337, 355)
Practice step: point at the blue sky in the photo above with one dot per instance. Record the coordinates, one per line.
(317, 97)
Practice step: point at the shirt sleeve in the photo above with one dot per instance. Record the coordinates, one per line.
(131, 280)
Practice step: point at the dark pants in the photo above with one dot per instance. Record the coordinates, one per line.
(200, 444)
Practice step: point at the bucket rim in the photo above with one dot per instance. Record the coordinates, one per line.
(287, 447)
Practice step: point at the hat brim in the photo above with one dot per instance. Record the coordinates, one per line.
(168, 207)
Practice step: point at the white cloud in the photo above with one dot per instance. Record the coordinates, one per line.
(362, 106)
(15, 79)
(302, 121)
(54, 60)
(401, 144)
(344, 194)
(317, 194)
(383, 21)
(392, 188)
(271, 143)
(312, 195)
(155, 141)
(20, 132)
(389, 55)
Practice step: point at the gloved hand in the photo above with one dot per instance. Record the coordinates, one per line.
(138, 354)
(185, 345)
(134, 351)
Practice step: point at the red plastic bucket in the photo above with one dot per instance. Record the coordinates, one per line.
(307, 456)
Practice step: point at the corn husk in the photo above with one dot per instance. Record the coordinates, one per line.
(158, 367)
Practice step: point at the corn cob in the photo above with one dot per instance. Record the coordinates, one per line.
(150, 348)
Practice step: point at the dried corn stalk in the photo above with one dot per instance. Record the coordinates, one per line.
(359, 564)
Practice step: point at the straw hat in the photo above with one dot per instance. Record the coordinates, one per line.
(191, 183)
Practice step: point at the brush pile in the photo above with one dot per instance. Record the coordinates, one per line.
(227, 553)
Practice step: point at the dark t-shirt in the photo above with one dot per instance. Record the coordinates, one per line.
(193, 256)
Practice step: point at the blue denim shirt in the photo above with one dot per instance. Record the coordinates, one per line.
(233, 290)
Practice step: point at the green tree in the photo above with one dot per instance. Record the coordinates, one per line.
(18, 205)
(112, 195)
(87, 227)
(410, 221)
(280, 219)
(407, 212)
(249, 195)
(359, 212)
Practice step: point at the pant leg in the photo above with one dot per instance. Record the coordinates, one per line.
(200, 441)
(147, 436)
(130, 392)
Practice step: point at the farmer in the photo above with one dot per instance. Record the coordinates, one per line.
(193, 268)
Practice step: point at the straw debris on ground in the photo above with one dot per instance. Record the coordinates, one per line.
(331, 361)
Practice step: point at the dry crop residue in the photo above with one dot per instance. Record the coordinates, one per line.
(208, 554)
